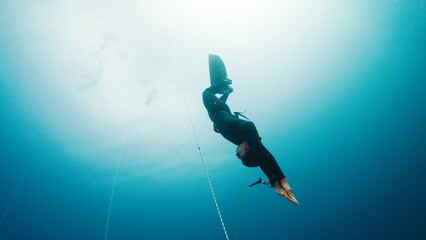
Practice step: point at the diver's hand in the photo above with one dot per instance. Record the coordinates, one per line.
(283, 188)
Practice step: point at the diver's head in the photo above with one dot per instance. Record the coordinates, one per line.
(243, 150)
(248, 154)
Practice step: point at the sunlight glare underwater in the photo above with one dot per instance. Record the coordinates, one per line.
(110, 74)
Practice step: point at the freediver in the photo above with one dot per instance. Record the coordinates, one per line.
(240, 132)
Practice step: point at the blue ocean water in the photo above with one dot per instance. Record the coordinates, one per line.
(96, 141)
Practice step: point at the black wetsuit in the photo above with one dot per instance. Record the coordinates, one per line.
(237, 131)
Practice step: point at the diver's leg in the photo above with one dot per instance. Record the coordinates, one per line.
(209, 97)
(228, 90)
(212, 103)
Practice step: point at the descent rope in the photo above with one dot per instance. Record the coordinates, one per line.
(205, 170)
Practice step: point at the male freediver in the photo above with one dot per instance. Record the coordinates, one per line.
(242, 133)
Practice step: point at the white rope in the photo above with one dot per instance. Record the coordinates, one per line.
(205, 170)
(18, 186)
(112, 194)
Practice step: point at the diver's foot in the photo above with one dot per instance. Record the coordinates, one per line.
(283, 188)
